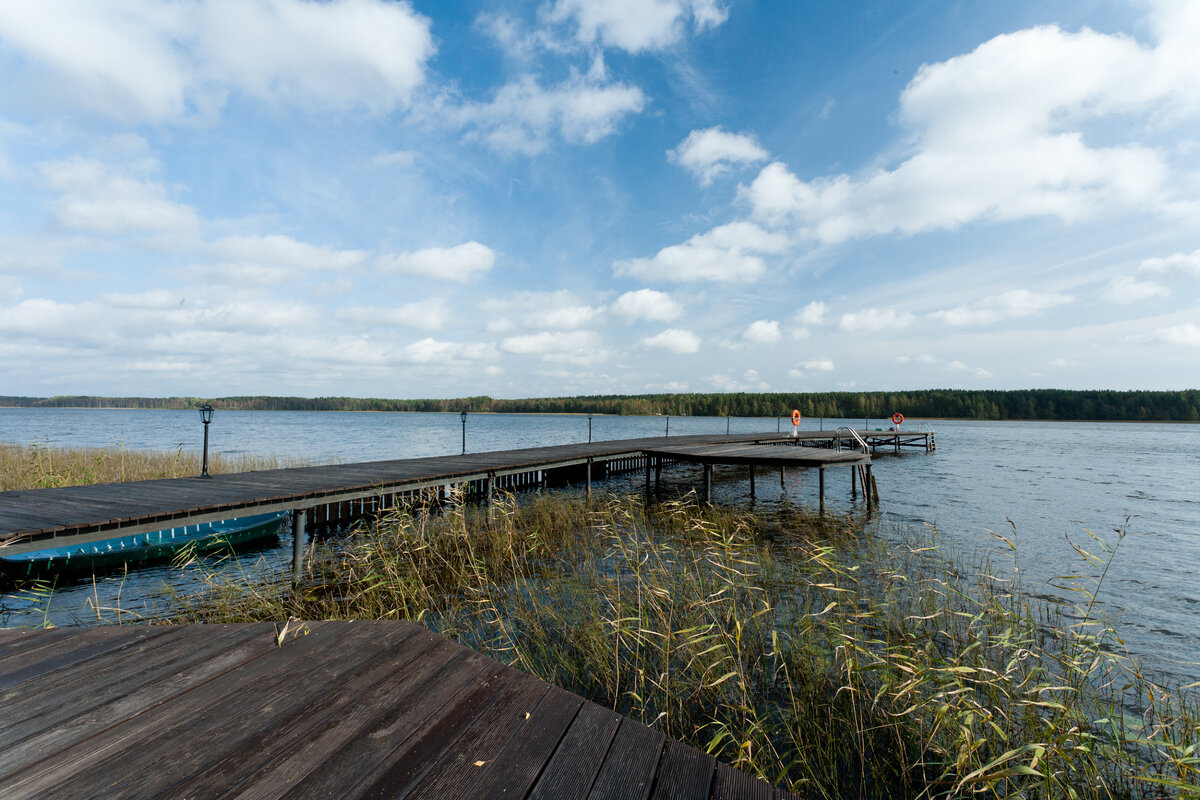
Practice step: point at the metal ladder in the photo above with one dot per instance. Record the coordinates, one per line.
(850, 434)
(925, 427)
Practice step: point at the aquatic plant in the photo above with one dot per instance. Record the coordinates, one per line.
(42, 465)
(795, 647)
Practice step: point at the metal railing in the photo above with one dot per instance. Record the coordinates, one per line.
(851, 434)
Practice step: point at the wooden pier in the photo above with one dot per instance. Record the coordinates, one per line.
(325, 710)
(40, 518)
(754, 456)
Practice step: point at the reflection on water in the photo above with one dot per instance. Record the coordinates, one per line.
(1043, 484)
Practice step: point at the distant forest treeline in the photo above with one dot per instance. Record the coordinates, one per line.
(1047, 404)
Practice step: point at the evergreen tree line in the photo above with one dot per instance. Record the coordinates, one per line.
(1043, 404)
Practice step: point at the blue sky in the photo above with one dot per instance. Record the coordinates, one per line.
(215, 197)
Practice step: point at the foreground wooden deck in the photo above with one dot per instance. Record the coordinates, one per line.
(343, 710)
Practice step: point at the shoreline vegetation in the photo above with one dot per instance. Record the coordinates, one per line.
(817, 652)
(46, 466)
(1023, 404)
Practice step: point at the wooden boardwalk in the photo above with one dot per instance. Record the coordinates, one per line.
(39, 518)
(346, 710)
(334, 494)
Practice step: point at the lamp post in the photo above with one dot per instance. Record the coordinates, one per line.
(464, 422)
(726, 424)
(205, 417)
(668, 433)
(589, 427)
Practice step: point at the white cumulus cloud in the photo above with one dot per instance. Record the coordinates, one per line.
(712, 152)
(1015, 303)
(1125, 289)
(459, 263)
(725, 253)
(576, 347)
(636, 25)
(874, 320)
(958, 366)
(673, 340)
(430, 314)
(1187, 334)
(147, 60)
(284, 251)
(822, 364)
(998, 134)
(1182, 263)
(94, 198)
(523, 116)
(762, 331)
(432, 351)
(647, 304)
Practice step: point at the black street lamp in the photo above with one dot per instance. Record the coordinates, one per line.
(464, 421)
(205, 417)
(589, 427)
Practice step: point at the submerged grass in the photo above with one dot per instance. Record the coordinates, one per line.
(794, 647)
(41, 465)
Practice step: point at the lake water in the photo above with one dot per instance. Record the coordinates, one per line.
(1053, 480)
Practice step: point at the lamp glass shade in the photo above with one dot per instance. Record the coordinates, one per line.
(206, 413)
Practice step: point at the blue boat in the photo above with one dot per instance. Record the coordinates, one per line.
(153, 546)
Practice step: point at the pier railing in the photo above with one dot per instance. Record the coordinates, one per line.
(846, 432)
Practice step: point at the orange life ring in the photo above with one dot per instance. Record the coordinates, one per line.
(796, 417)
(897, 418)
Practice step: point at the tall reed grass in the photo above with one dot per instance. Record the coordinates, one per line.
(829, 662)
(41, 465)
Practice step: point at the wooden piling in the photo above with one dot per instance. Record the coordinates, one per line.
(298, 521)
(751, 481)
(821, 488)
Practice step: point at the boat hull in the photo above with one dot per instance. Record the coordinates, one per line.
(155, 546)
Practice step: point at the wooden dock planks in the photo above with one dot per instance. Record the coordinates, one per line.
(78, 509)
(340, 709)
(760, 456)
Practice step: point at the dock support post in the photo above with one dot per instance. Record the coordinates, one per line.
(854, 482)
(782, 485)
(588, 491)
(751, 481)
(298, 521)
(869, 490)
(708, 479)
(648, 480)
(821, 487)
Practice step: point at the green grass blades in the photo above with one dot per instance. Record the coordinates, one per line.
(831, 662)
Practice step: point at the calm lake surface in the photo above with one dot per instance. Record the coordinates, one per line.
(1054, 480)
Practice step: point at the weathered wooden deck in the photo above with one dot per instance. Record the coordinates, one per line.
(754, 456)
(39, 518)
(35, 519)
(346, 710)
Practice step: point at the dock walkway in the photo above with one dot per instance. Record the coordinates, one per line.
(36, 519)
(372, 709)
